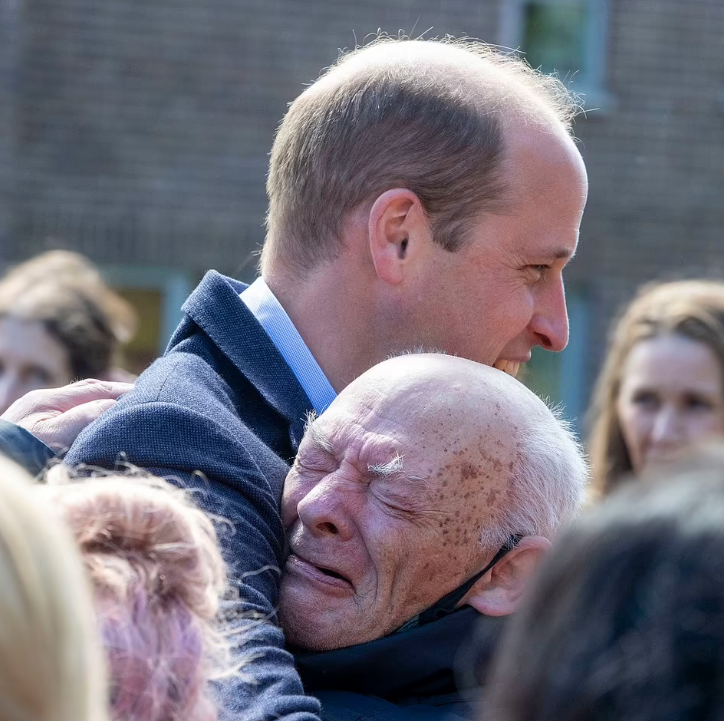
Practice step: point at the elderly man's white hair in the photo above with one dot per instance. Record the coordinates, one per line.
(547, 482)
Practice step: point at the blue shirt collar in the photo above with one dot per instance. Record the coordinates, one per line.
(259, 299)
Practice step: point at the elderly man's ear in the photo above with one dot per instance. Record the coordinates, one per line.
(399, 235)
(498, 592)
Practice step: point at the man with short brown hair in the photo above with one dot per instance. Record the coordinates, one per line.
(422, 194)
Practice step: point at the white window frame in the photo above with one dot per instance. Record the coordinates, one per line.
(591, 81)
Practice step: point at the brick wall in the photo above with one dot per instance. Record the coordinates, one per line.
(139, 129)
(146, 123)
(656, 156)
(8, 57)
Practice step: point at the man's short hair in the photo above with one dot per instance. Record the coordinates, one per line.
(424, 115)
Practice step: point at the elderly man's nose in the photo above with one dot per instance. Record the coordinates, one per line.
(323, 514)
(550, 320)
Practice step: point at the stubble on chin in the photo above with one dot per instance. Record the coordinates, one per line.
(303, 629)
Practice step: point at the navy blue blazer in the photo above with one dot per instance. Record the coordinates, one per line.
(222, 412)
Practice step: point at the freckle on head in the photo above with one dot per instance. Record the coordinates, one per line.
(468, 470)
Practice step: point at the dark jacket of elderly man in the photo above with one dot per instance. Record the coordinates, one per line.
(421, 194)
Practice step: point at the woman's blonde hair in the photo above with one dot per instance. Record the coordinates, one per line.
(51, 662)
(693, 309)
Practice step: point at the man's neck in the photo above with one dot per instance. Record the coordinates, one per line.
(332, 319)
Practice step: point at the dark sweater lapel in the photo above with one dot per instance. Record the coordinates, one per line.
(216, 308)
(417, 663)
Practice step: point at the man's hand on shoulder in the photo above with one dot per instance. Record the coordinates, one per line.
(57, 415)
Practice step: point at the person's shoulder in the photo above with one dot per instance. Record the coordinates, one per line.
(214, 288)
(182, 403)
(183, 416)
(185, 376)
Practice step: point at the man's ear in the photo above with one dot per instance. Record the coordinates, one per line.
(498, 592)
(399, 233)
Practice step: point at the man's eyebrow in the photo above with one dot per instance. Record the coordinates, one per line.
(385, 470)
(315, 435)
(393, 467)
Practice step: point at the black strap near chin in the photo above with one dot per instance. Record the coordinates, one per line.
(449, 602)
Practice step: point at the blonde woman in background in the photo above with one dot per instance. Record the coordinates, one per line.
(59, 322)
(51, 662)
(661, 389)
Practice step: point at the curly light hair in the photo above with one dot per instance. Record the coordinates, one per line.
(158, 577)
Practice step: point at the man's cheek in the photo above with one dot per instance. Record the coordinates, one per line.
(288, 509)
(291, 495)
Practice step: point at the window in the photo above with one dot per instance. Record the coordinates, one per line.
(157, 295)
(567, 37)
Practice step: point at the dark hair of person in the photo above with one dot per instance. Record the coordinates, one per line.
(625, 619)
(66, 293)
(693, 309)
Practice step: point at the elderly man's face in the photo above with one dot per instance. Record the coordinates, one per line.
(383, 514)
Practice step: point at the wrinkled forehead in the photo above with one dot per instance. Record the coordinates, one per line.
(439, 435)
(365, 410)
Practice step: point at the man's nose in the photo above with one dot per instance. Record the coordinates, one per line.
(550, 319)
(323, 512)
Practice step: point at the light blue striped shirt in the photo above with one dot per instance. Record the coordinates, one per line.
(259, 299)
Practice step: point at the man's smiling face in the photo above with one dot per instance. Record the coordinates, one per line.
(502, 294)
(383, 509)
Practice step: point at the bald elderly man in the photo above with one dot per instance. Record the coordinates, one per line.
(407, 486)
(422, 498)
(421, 194)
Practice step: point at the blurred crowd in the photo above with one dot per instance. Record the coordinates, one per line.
(332, 498)
(59, 322)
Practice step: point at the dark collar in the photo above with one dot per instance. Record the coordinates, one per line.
(416, 663)
(216, 308)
